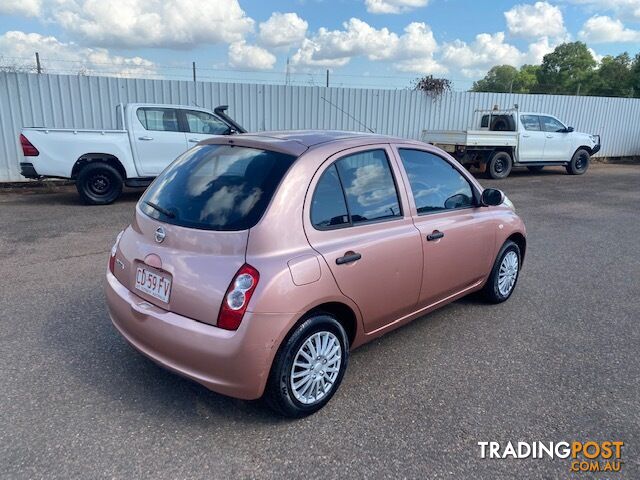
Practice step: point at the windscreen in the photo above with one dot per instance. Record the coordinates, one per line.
(216, 187)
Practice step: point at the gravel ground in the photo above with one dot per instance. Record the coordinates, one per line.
(558, 361)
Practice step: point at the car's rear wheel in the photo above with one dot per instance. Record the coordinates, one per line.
(579, 163)
(536, 168)
(99, 184)
(500, 165)
(308, 367)
(504, 275)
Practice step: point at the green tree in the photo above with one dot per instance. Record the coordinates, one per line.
(612, 78)
(499, 79)
(527, 79)
(634, 80)
(566, 70)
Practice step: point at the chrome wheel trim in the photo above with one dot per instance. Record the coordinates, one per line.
(315, 367)
(508, 273)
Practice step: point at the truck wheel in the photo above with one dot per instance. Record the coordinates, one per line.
(579, 162)
(99, 184)
(536, 168)
(500, 165)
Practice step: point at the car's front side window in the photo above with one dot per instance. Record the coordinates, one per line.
(356, 189)
(203, 122)
(158, 119)
(550, 124)
(436, 184)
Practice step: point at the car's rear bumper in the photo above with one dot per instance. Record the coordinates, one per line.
(27, 170)
(234, 363)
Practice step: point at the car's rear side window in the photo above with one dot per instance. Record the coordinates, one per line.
(530, 122)
(216, 187)
(365, 182)
(159, 119)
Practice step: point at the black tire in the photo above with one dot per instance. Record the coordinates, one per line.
(500, 165)
(536, 168)
(579, 163)
(492, 292)
(99, 184)
(279, 393)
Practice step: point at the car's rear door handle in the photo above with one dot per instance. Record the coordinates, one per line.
(526, 136)
(435, 235)
(348, 258)
(145, 139)
(549, 136)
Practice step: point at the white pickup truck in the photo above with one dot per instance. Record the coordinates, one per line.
(148, 138)
(507, 138)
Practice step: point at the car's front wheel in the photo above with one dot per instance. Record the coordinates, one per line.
(579, 163)
(308, 367)
(504, 275)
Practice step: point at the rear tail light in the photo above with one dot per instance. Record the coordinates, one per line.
(237, 297)
(114, 250)
(28, 150)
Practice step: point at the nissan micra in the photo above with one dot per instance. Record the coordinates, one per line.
(257, 262)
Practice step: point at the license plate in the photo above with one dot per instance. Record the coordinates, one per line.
(154, 284)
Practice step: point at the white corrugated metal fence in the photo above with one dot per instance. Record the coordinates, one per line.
(67, 101)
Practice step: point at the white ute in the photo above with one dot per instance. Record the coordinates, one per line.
(507, 138)
(149, 137)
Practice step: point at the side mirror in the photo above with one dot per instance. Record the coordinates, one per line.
(491, 197)
(569, 129)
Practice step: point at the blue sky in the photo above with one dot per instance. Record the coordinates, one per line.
(381, 43)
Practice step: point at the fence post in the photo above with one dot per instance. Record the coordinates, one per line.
(38, 67)
(194, 71)
(327, 78)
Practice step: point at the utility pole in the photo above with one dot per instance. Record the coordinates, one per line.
(194, 71)
(38, 67)
(287, 74)
(327, 78)
(578, 92)
(511, 87)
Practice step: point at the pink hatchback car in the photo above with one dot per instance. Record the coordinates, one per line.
(256, 262)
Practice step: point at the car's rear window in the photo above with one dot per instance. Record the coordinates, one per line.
(216, 187)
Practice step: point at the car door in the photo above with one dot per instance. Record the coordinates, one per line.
(556, 147)
(158, 138)
(457, 235)
(202, 125)
(532, 139)
(357, 220)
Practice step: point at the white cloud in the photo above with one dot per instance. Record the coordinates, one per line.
(534, 21)
(604, 29)
(28, 8)
(242, 55)
(628, 10)
(412, 51)
(484, 52)
(393, 6)
(69, 57)
(283, 30)
(153, 23)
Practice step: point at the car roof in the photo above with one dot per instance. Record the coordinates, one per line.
(296, 142)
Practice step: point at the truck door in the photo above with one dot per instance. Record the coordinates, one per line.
(532, 139)
(557, 145)
(157, 139)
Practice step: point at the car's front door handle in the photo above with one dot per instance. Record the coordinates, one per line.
(348, 258)
(145, 139)
(549, 136)
(435, 235)
(194, 140)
